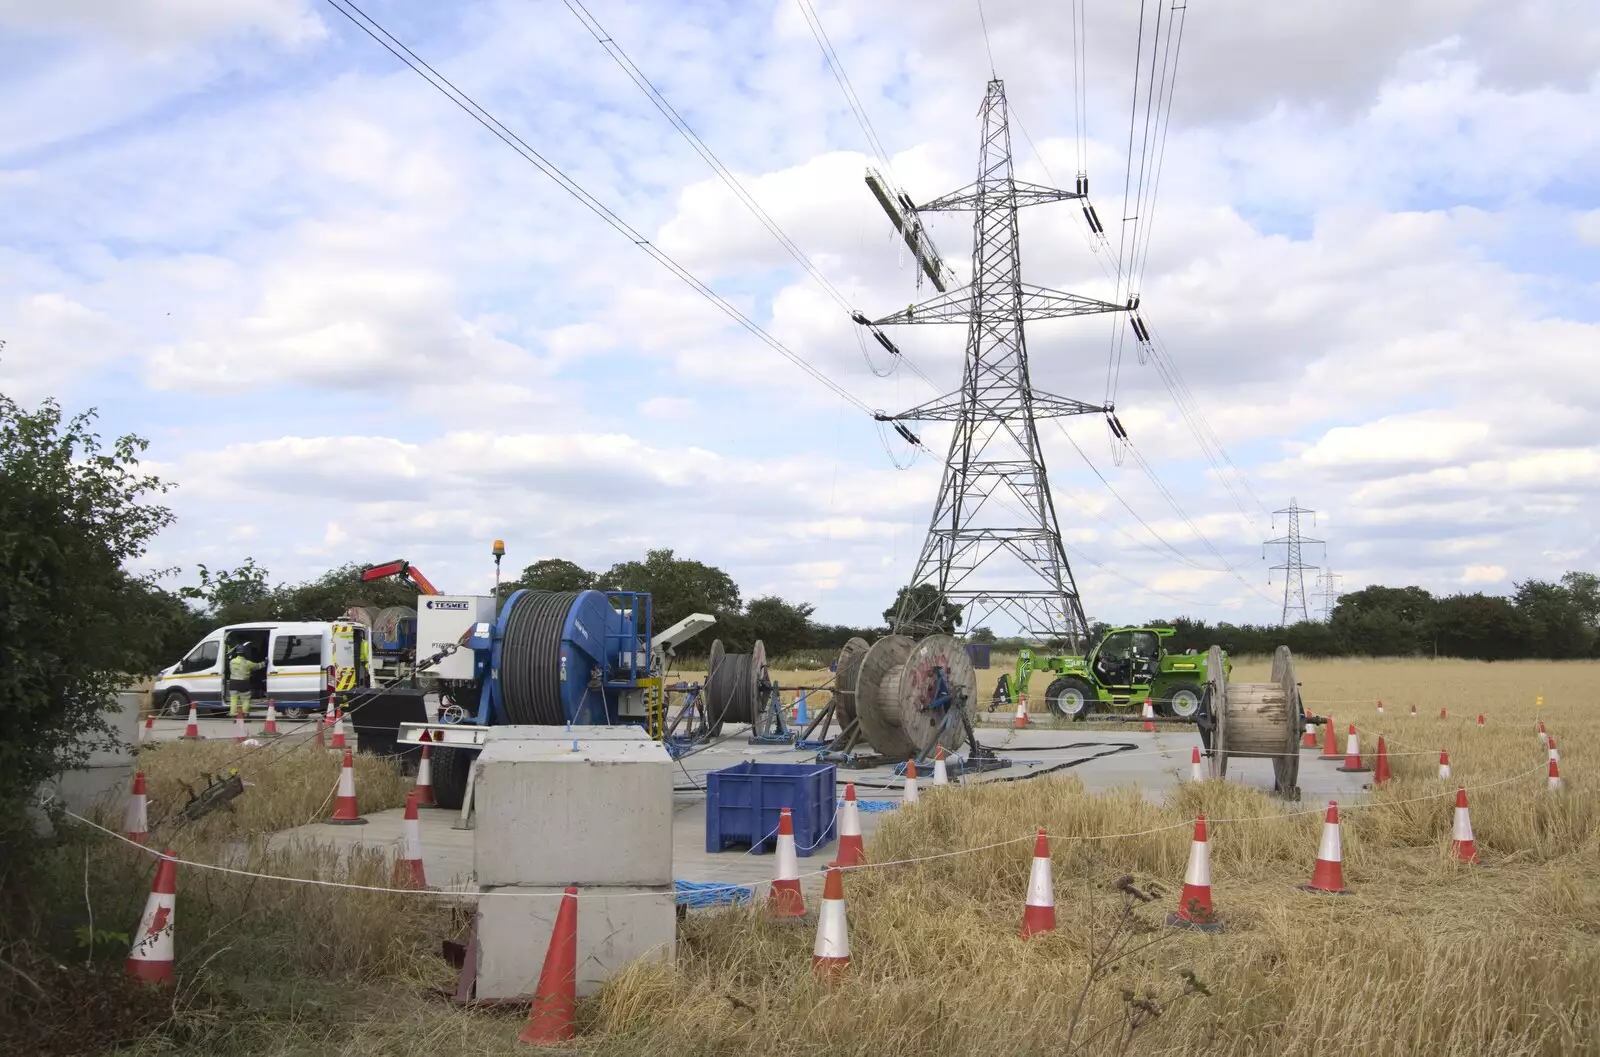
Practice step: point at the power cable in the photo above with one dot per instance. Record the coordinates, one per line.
(399, 50)
(668, 111)
(851, 98)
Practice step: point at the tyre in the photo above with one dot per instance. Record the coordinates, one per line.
(449, 769)
(1181, 701)
(174, 702)
(1070, 697)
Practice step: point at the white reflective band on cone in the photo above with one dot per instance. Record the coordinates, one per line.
(1331, 849)
(1041, 893)
(1199, 872)
(833, 939)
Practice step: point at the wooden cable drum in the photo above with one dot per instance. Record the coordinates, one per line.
(733, 684)
(1257, 720)
(896, 683)
(845, 673)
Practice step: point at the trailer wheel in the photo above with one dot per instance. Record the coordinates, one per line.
(450, 767)
(1069, 697)
(1182, 701)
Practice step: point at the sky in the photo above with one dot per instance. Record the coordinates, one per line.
(355, 326)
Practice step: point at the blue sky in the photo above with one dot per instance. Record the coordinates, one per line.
(354, 326)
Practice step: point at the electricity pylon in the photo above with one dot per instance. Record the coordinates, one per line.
(1294, 567)
(994, 512)
(1328, 591)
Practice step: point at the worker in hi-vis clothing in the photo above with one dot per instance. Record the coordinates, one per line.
(240, 669)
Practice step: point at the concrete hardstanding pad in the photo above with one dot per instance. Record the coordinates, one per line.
(615, 926)
(590, 807)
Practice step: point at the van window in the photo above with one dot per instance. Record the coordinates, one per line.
(201, 658)
(292, 650)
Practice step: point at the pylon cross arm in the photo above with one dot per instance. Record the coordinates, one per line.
(1034, 302)
(997, 195)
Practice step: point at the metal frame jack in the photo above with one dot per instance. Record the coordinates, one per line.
(769, 727)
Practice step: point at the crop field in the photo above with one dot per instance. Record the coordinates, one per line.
(1427, 956)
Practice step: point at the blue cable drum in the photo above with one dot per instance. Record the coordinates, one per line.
(555, 650)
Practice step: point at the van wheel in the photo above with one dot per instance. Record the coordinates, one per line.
(174, 702)
(449, 768)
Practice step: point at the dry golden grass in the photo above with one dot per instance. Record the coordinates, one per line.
(1427, 957)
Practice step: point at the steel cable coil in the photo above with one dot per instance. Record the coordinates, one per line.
(530, 657)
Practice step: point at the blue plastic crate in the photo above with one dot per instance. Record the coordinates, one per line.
(743, 802)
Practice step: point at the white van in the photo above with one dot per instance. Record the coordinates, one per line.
(303, 660)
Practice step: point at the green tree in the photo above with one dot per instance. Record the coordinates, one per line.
(1384, 621)
(330, 595)
(72, 514)
(1585, 591)
(235, 596)
(926, 611)
(1481, 627)
(677, 586)
(783, 627)
(981, 635)
(1556, 622)
(551, 574)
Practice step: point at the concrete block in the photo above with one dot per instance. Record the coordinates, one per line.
(615, 926)
(549, 815)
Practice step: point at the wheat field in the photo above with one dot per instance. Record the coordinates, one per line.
(1427, 956)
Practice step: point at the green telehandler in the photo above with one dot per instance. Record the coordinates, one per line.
(1128, 665)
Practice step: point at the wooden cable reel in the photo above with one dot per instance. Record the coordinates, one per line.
(733, 685)
(846, 672)
(1257, 720)
(896, 682)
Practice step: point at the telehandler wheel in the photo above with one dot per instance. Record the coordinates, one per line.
(1182, 701)
(449, 768)
(1070, 697)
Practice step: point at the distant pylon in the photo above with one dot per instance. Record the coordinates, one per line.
(1294, 566)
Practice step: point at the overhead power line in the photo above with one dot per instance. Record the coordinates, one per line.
(732, 181)
(372, 28)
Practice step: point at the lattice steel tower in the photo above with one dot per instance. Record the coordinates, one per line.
(1294, 567)
(994, 542)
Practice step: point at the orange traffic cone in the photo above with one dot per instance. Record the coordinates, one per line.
(1444, 763)
(191, 732)
(1329, 752)
(1461, 843)
(1352, 754)
(1380, 706)
(941, 775)
(1022, 711)
(239, 733)
(1554, 755)
(910, 796)
(270, 730)
(1413, 710)
(1441, 713)
(1544, 738)
(150, 957)
(784, 900)
(424, 786)
(338, 729)
(1194, 904)
(322, 741)
(1039, 907)
(1308, 740)
(1480, 720)
(1195, 773)
(830, 956)
(851, 850)
(555, 1003)
(136, 822)
(1149, 716)
(1327, 876)
(345, 812)
(408, 872)
(1380, 766)
(149, 734)
(1555, 774)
